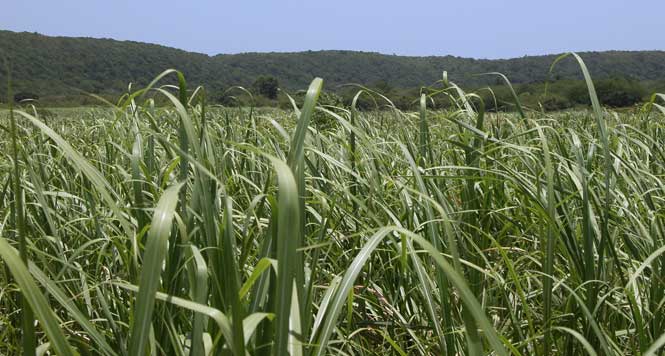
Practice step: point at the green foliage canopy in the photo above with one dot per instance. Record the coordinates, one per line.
(66, 68)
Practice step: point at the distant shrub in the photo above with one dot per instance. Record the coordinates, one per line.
(619, 92)
(266, 86)
(25, 96)
(614, 92)
(320, 120)
(234, 98)
(499, 98)
(553, 102)
(405, 102)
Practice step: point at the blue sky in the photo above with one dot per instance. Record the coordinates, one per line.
(480, 29)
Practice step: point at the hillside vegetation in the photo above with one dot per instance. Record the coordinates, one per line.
(62, 67)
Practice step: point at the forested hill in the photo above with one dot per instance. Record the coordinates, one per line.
(50, 66)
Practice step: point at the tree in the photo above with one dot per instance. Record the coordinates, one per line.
(267, 86)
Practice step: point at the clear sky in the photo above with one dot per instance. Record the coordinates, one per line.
(468, 28)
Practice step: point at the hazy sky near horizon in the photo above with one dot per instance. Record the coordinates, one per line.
(480, 29)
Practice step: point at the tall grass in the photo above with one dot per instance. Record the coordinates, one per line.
(191, 229)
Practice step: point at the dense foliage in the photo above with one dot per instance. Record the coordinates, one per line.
(193, 230)
(267, 86)
(60, 69)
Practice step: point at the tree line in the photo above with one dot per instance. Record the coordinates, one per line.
(64, 70)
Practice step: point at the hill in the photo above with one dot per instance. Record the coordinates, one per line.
(52, 66)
